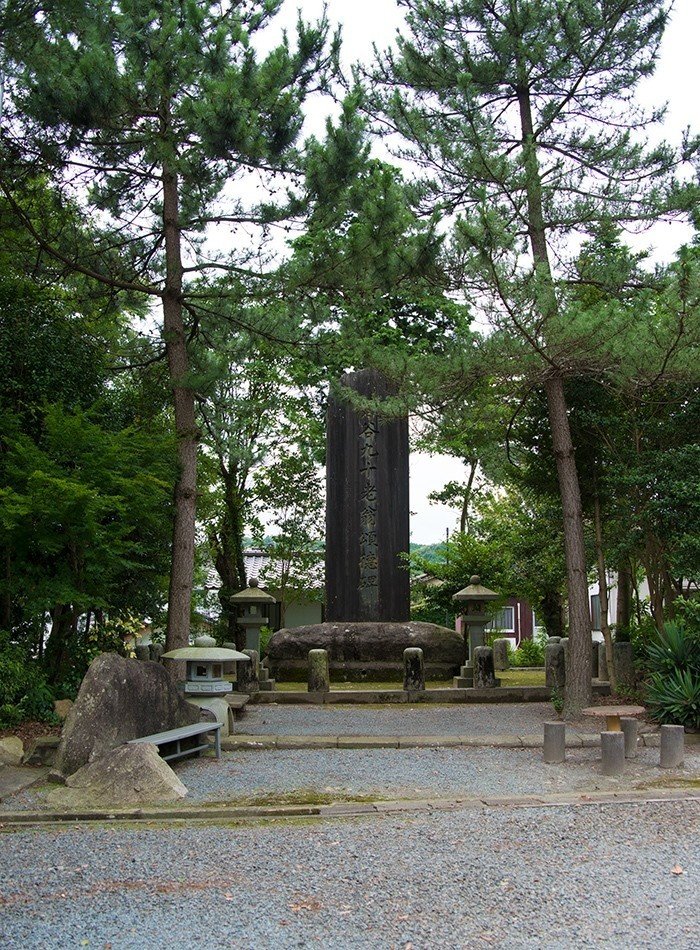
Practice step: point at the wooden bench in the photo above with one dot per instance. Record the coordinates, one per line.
(175, 737)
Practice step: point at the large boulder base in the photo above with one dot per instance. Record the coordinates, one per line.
(127, 776)
(365, 651)
(119, 700)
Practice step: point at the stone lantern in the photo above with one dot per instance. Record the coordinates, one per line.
(204, 684)
(473, 600)
(251, 604)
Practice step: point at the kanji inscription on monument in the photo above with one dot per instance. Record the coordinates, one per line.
(367, 513)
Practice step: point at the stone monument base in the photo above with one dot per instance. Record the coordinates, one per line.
(359, 651)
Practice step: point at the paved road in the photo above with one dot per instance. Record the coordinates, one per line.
(590, 876)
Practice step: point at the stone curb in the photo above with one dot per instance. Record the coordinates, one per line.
(574, 740)
(9, 820)
(239, 743)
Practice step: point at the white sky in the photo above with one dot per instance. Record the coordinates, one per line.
(676, 81)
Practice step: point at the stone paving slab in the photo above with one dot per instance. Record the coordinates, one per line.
(15, 778)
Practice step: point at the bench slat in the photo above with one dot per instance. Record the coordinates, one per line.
(184, 732)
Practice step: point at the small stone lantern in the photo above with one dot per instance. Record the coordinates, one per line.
(204, 684)
(251, 603)
(473, 600)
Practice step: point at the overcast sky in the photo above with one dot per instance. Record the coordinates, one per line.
(676, 81)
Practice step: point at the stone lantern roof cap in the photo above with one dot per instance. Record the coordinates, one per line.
(205, 649)
(252, 595)
(475, 591)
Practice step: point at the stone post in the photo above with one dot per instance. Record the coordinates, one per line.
(484, 674)
(319, 675)
(155, 651)
(500, 653)
(594, 660)
(602, 662)
(413, 669)
(554, 742)
(672, 746)
(629, 727)
(623, 659)
(554, 669)
(612, 747)
(564, 643)
(142, 651)
(248, 674)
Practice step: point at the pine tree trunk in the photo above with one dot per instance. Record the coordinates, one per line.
(603, 593)
(578, 674)
(182, 566)
(578, 677)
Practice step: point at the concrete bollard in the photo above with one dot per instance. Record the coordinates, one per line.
(594, 661)
(155, 651)
(554, 670)
(248, 674)
(500, 653)
(672, 746)
(602, 662)
(142, 651)
(623, 661)
(413, 669)
(612, 748)
(554, 742)
(629, 728)
(319, 675)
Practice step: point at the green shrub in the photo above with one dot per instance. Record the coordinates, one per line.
(529, 653)
(24, 692)
(672, 690)
(674, 698)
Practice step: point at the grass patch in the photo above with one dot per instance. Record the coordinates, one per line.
(516, 677)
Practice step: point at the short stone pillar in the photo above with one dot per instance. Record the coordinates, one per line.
(594, 660)
(623, 660)
(155, 651)
(564, 643)
(142, 651)
(672, 747)
(553, 639)
(629, 728)
(612, 748)
(413, 669)
(484, 673)
(500, 653)
(602, 662)
(319, 674)
(554, 742)
(554, 669)
(249, 673)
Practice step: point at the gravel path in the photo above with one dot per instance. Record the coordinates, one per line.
(595, 876)
(459, 719)
(307, 774)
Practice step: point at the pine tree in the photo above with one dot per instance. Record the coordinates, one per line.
(162, 117)
(521, 115)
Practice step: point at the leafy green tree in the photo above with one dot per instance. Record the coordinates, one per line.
(167, 121)
(521, 115)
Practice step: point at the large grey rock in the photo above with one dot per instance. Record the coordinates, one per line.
(127, 776)
(11, 750)
(366, 650)
(119, 699)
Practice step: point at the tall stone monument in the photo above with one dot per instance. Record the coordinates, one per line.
(367, 508)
